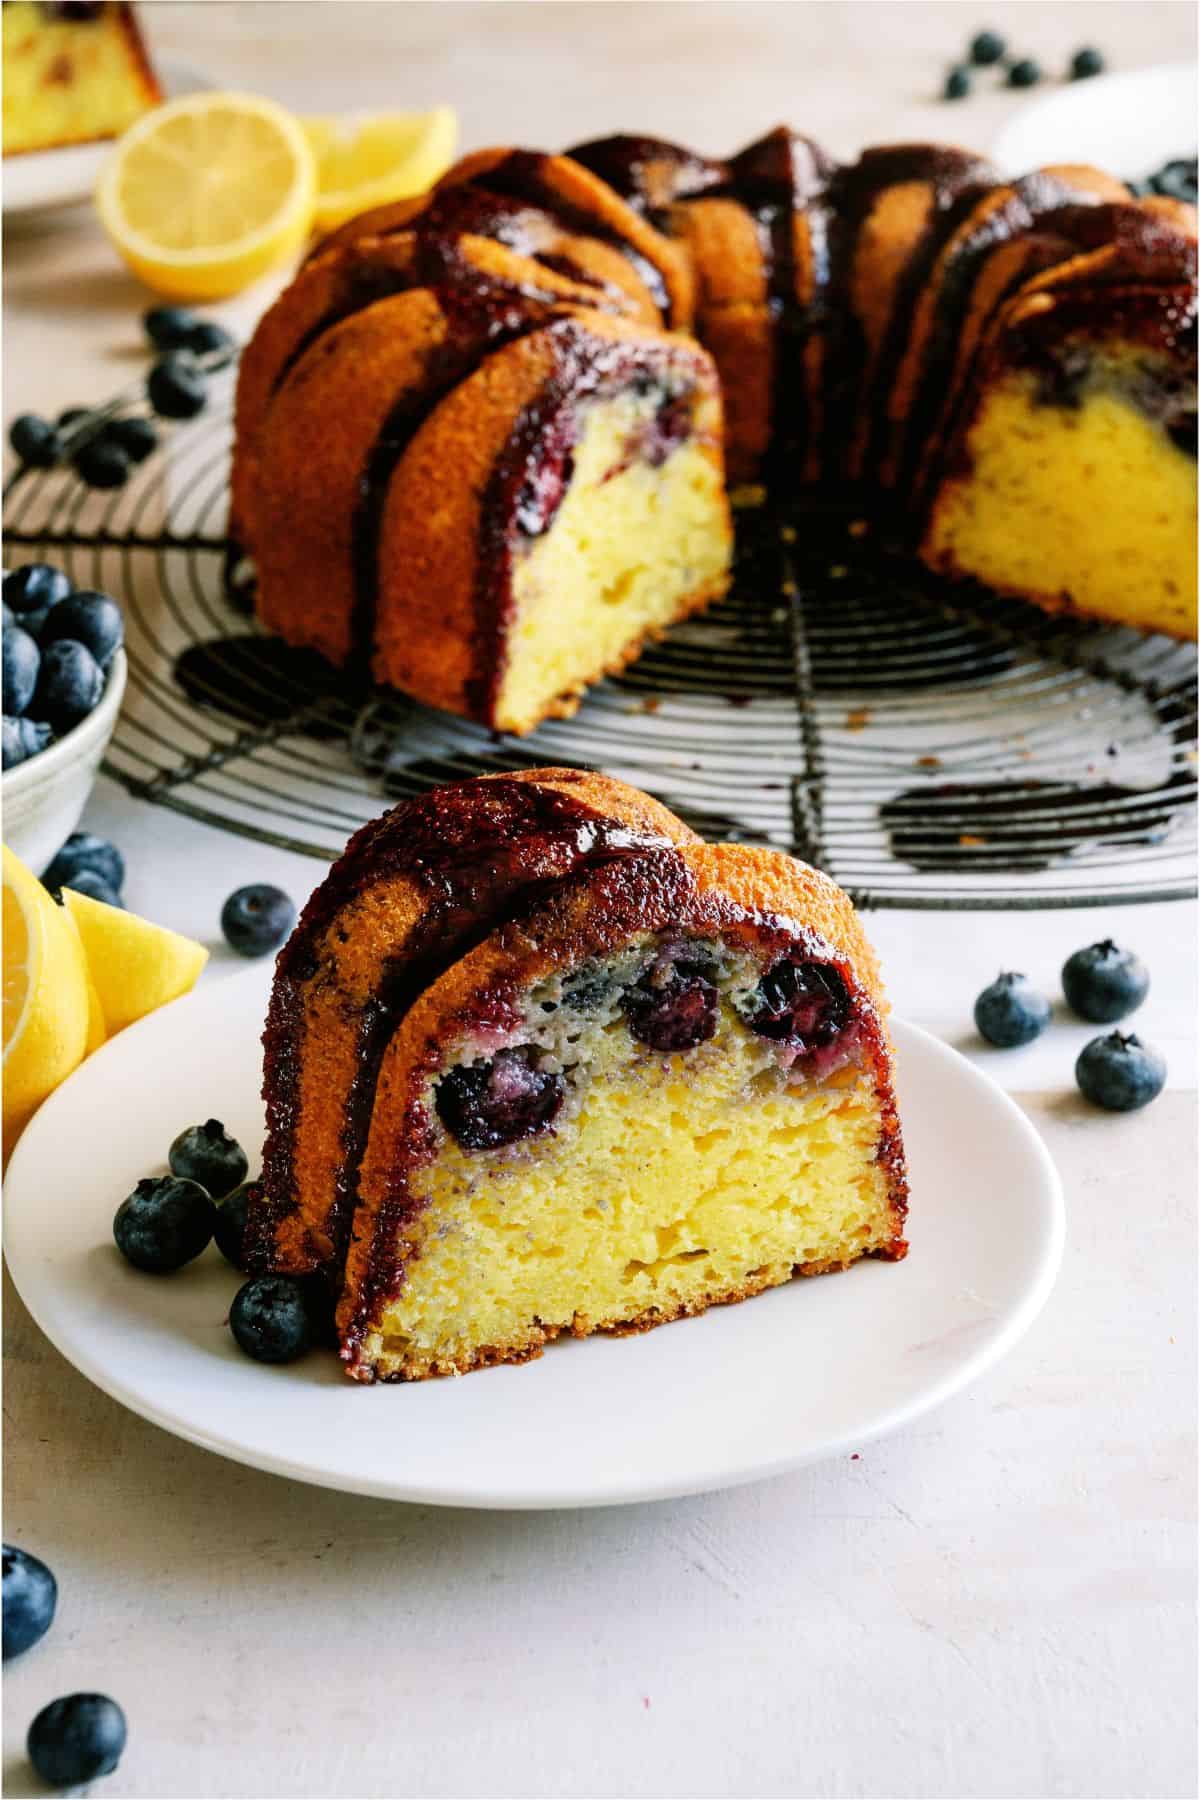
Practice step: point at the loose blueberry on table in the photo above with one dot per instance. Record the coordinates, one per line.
(101, 463)
(957, 84)
(1085, 63)
(176, 387)
(987, 47)
(1104, 983)
(208, 1155)
(85, 853)
(271, 1319)
(77, 1738)
(165, 1223)
(229, 1233)
(169, 327)
(1120, 1074)
(35, 441)
(1011, 1012)
(256, 919)
(30, 1595)
(137, 437)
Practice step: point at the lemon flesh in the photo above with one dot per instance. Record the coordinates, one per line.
(369, 162)
(46, 1013)
(134, 966)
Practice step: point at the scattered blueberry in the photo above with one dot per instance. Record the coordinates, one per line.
(84, 850)
(9, 617)
(176, 386)
(1120, 1073)
(257, 919)
(30, 1595)
(1024, 73)
(21, 661)
(208, 1155)
(32, 590)
(75, 1739)
(207, 338)
(24, 738)
(1011, 1012)
(169, 327)
(138, 438)
(801, 1003)
(163, 1224)
(230, 1229)
(271, 1319)
(672, 1007)
(987, 47)
(1176, 180)
(487, 1104)
(1103, 983)
(95, 887)
(957, 85)
(71, 416)
(69, 685)
(101, 463)
(1086, 62)
(91, 619)
(35, 441)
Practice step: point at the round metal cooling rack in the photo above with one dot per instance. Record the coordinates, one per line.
(929, 746)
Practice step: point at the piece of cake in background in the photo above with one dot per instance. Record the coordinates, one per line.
(609, 1078)
(75, 72)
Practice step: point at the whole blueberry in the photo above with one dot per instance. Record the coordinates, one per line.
(91, 619)
(207, 1154)
(21, 661)
(1177, 180)
(672, 1008)
(138, 438)
(76, 1739)
(1024, 73)
(7, 615)
(488, 1104)
(1086, 62)
(163, 1224)
(1011, 1011)
(84, 850)
(101, 463)
(24, 738)
(176, 386)
(207, 338)
(32, 590)
(95, 887)
(69, 685)
(35, 441)
(1120, 1073)
(957, 84)
(271, 1319)
(169, 327)
(230, 1229)
(257, 919)
(1103, 983)
(29, 1597)
(71, 415)
(987, 47)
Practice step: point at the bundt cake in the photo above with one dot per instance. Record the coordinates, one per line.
(479, 439)
(74, 72)
(539, 1061)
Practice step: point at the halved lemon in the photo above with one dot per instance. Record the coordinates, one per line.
(46, 1005)
(369, 162)
(206, 194)
(134, 966)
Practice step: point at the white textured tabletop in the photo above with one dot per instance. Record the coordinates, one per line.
(999, 1601)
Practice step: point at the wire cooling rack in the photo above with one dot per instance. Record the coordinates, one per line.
(929, 746)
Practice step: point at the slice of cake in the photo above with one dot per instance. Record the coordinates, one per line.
(74, 71)
(648, 1078)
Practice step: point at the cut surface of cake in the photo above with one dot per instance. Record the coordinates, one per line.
(646, 1078)
(74, 72)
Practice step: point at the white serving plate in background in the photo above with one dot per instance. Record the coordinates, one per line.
(1130, 123)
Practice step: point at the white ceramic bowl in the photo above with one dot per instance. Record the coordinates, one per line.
(43, 799)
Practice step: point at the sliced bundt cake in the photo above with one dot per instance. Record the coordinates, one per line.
(593, 1081)
(73, 74)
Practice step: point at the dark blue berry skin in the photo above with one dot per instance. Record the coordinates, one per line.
(674, 1014)
(230, 1230)
(69, 686)
(91, 619)
(22, 661)
(271, 1319)
(95, 887)
(987, 47)
(485, 1105)
(138, 438)
(207, 338)
(30, 1597)
(24, 738)
(257, 919)
(6, 613)
(163, 1224)
(31, 591)
(207, 1154)
(1085, 63)
(71, 415)
(101, 463)
(169, 327)
(176, 387)
(1024, 73)
(84, 850)
(35, 441)
(957, 85)
(1011, 1012)
(77, 1738)
(1105, 983)
(1120, 1074)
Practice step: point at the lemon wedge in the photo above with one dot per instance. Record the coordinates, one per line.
(369, 162)
(207, 193)
(46, 1008)
(134, 966)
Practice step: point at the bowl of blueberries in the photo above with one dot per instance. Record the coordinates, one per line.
(64, 677)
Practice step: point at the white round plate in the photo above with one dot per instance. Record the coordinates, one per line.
(44, 180)
(803, 1372)
(1131, 123)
